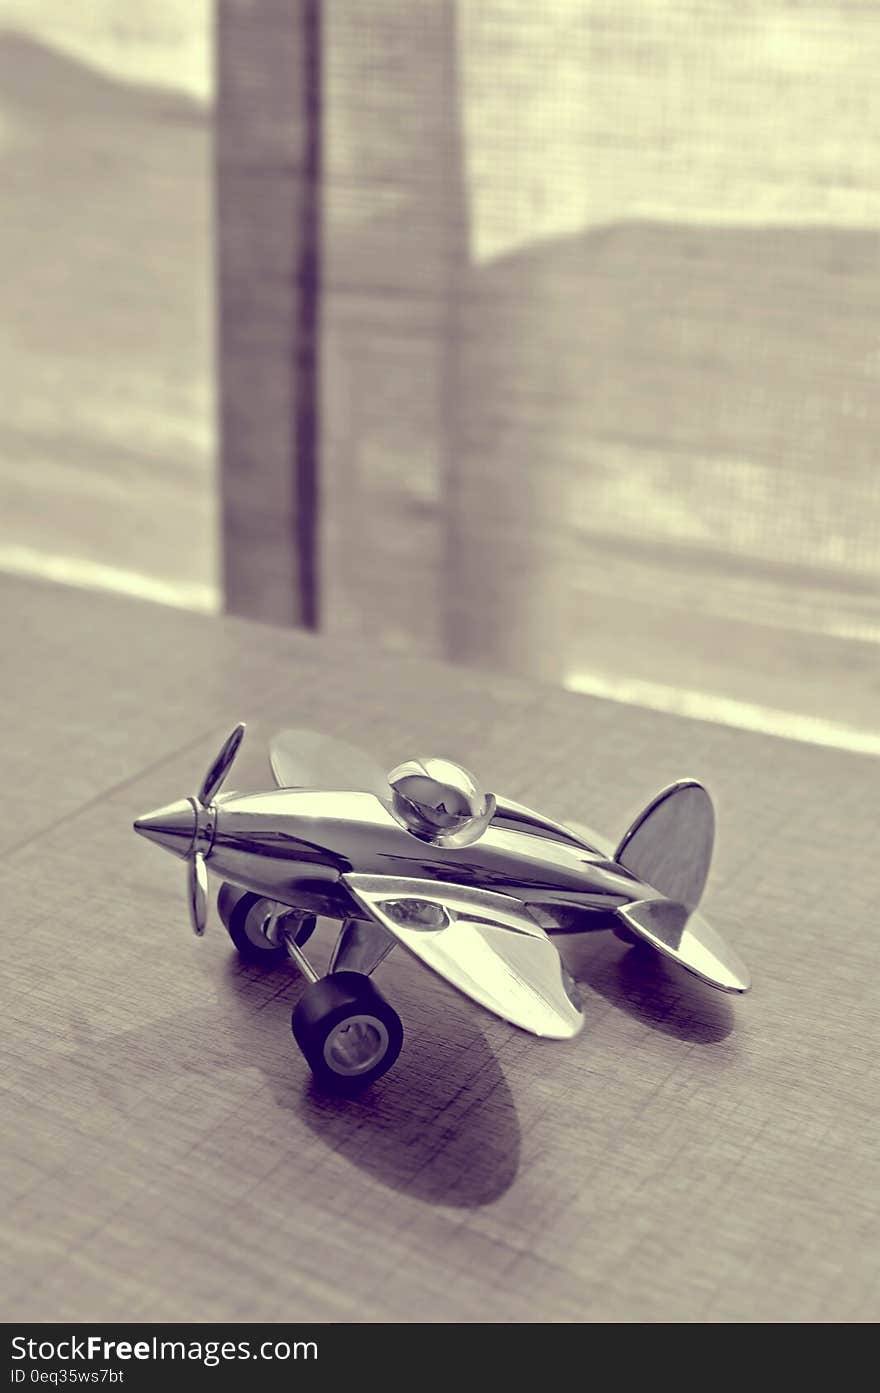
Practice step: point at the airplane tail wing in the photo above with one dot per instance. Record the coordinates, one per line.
(669, 845)
(683, 935)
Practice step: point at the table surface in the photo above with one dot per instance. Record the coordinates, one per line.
(690, 1157)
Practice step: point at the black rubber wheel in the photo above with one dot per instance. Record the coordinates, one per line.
(228, 897)
(243, 913)
(347, 1031)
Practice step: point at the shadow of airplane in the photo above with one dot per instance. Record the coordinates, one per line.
(658, 993)
(441, 1125)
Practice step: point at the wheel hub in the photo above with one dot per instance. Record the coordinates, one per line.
(356, 1045)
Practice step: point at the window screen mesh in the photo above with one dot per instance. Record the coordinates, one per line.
(601, 312)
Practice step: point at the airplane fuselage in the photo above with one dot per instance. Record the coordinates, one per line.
(295, 845)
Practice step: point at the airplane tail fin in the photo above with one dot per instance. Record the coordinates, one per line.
(669, 845)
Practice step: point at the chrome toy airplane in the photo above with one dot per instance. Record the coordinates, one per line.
(469, 883)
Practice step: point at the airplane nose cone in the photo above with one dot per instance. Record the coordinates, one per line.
(173, 828)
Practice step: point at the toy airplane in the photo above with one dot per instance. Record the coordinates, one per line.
(469, 883)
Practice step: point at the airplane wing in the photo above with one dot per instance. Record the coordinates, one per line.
(487, 945)
(516, 815)
(306, 759)
(682, 934)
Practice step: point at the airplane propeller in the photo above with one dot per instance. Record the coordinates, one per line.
(213, 780)
(197, 871)
(181, 828)
(197, 892)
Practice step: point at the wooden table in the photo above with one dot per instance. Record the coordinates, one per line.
(687, 1158)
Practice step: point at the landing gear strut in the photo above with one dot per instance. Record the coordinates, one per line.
(348, 1033)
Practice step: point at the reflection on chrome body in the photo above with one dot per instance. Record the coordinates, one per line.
(471, 884)
(522, 819)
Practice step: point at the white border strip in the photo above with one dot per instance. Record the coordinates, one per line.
(726, 711)
(95, 575)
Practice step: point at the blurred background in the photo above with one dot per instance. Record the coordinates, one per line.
(538, 337)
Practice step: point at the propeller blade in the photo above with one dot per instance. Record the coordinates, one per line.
(213, 780)
(305, 759)
(198, 893)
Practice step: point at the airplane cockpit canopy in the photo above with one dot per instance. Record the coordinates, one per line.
(440, 802)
